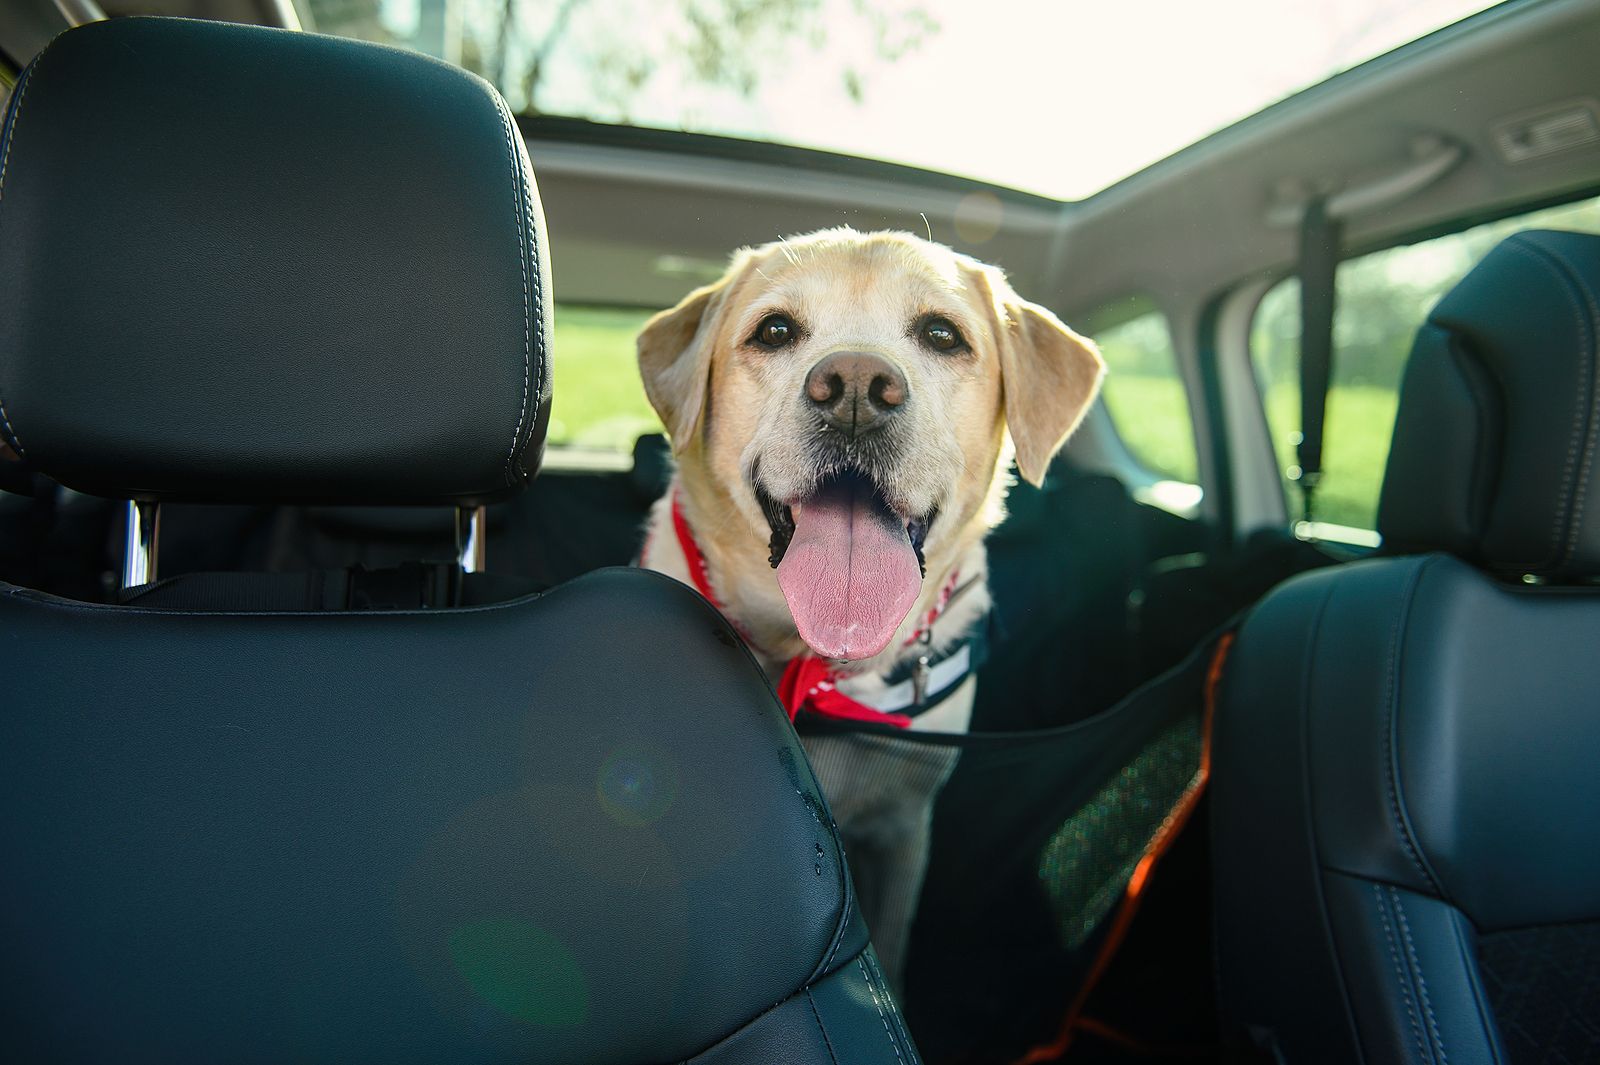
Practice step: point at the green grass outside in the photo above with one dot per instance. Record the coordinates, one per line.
(1152, 416)
(599, 399)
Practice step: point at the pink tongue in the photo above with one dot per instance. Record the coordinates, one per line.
(850, 574)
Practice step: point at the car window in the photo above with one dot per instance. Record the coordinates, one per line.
(599, 401)
(1381, 300)
(1144, 391)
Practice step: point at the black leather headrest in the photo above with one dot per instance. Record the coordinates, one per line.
(1494, 455)
(252, 264)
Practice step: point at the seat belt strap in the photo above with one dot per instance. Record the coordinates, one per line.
(1320, 235)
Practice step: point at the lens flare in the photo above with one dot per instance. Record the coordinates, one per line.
(522, 971)
(636, 786)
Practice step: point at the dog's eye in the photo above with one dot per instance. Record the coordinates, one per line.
(775, 331)
(940, 334)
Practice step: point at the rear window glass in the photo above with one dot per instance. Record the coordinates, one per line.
(599, 401)
(1144, 391)
(1382, 299)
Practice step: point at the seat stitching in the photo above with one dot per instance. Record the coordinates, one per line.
(844, 917)
(899, 1022)
(1399, 971)
(5, 164)
(522, 261)
(1422, 980)
(540, 344)
(1391, 702)
(821, 1028)
(540, 356)
(872, 989)
(1590, 367)
(1571, 505)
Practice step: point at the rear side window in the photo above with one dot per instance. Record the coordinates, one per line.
(599, 402)
(1382, 299)
(1144, 391)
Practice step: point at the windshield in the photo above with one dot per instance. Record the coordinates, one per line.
(1058, 98)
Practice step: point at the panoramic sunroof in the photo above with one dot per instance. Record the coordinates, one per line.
(1061, 98)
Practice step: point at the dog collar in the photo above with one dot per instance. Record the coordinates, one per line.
(915, 685)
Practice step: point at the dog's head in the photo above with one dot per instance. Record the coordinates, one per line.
(854, 394)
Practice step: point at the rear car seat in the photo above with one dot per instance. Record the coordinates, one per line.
(250, 265)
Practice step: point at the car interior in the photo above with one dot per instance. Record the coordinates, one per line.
(339, 726)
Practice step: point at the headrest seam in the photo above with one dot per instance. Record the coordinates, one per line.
(522, 260)
(1589, 327)
(539, 341)
(1572, 500)
(10, 131)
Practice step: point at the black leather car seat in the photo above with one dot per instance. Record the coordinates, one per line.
(1406, 807)
(247, 264)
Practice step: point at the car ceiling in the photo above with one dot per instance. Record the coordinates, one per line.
(641, 220)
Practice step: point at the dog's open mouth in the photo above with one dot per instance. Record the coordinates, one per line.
(849, 565)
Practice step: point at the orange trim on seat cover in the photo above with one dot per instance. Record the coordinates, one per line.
(1165, 836)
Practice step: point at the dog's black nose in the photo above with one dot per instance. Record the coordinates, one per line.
(856, 391)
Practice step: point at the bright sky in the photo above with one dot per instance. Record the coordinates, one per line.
(1061, 97)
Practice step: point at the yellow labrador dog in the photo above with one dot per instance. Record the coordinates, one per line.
(844, 408)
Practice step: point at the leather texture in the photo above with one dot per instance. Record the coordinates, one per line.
(1404, 752)
(848, 1016)
(1403, 776)
(250, 264)
(1494, 455)
(573, 828)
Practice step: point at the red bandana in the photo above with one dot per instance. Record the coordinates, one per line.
(807, 681)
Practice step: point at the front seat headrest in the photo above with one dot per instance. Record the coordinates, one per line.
(259, 265)
(1494, 456)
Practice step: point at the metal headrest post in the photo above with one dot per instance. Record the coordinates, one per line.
(142, 544)
(472, 538)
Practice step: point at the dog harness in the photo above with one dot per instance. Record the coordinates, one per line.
(915, 685)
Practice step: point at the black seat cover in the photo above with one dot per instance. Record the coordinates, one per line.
(1406, 810)
(574, 829)
(571, 828)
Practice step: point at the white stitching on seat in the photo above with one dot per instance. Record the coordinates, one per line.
(5, 163)
(894, 1014)
(872, 989)
(1422, 981)
(1399, 970)
(540, 341)
(522, 261)
(1569, 506)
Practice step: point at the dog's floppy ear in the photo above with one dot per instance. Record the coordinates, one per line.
(1048, 374)
(675, 359)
